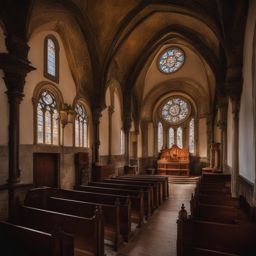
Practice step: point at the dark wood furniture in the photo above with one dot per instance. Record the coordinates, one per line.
(147, 192)
(88, 232)
(173, 160)
(137, 199)
(35, 195)
(23, 241)
(101, 172)
(110, 213)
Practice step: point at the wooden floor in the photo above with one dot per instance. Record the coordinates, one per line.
(158, 236)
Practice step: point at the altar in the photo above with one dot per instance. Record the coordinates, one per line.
(173, 161)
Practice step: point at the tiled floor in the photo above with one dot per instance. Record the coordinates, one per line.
(158, 236)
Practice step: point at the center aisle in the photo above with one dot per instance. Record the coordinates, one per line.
(158, 236)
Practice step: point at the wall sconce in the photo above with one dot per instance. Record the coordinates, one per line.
(66, 115)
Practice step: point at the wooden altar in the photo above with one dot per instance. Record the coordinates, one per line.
(173, 161)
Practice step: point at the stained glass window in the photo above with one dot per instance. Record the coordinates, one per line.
(122, 144)
(192, 136)
(81, 127)
(175, 110)
(171, 137)
(51, 57)
(160, 136)
(47, 120)
(179, 138)
(171, 60)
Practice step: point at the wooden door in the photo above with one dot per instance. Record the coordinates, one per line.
(46, 169)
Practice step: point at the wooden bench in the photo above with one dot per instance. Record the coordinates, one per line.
(210, 238)
(163, 179)
(159, 183)
(147, 192)
(137, 199)
(22, 241)
(217, 199)
(35, 195)
(216, 213)
(110, 213)
(88, 232)
(155, 187)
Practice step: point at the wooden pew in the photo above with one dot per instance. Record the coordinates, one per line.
(18, 240)
(157, 189)
(147, 192)
(216, 213)
(155, 196)
(35, 195)
(216, 178)
(217, 199)
(137, 199)
(210, 238)
(163, 179)
(88, 232)
(160, 182)
(110, 213)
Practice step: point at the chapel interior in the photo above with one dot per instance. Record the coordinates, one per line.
(128, 127)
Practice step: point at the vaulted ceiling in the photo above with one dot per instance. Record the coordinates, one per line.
(122, 39)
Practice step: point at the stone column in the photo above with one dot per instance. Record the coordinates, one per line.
(96, 115)
(222, 124)
(127, 127)
(110, 113)
(144, 129)
(235, 134)
(15, 71)
(155, 139)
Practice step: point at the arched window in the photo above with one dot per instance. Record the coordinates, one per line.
(179, 138)
(171, 137)
(192, 136)
(122, 142)
(81, 126)
(51, 58)
(47, 119)
(160, 136)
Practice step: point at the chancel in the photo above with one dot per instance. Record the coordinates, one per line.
(127, 127)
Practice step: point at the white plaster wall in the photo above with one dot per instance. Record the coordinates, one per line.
(116, 126)
(3, 98)
(202, 137)
(150, 139)
(66, 85)
(246, 125)
(229, 135)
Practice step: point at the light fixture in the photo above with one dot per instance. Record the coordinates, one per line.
(67, 115)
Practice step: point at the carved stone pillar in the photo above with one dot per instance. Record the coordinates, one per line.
(222, 124)
(96, 115)
(144, 129)
(209, 136)
(127, 127)
(235, 134)
(15, 70)
(155, 140)
(110, 113)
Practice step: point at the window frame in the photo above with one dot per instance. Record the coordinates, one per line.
(37, 102)
(57, 57)
(84, 145)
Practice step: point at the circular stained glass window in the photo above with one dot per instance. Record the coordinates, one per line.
(171, 60)
(175, 110)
